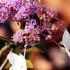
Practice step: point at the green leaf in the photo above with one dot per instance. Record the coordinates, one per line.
(29, 64)
(61, 42)
(12, 46)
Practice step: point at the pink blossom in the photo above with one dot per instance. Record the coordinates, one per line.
(3, 14)
(14, 4)
(18, 36)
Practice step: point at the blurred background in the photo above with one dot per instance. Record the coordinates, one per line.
(53, 58)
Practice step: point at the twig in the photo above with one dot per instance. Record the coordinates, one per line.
(4, 63)
(56, 43)
(4, 48)
(25, 49)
